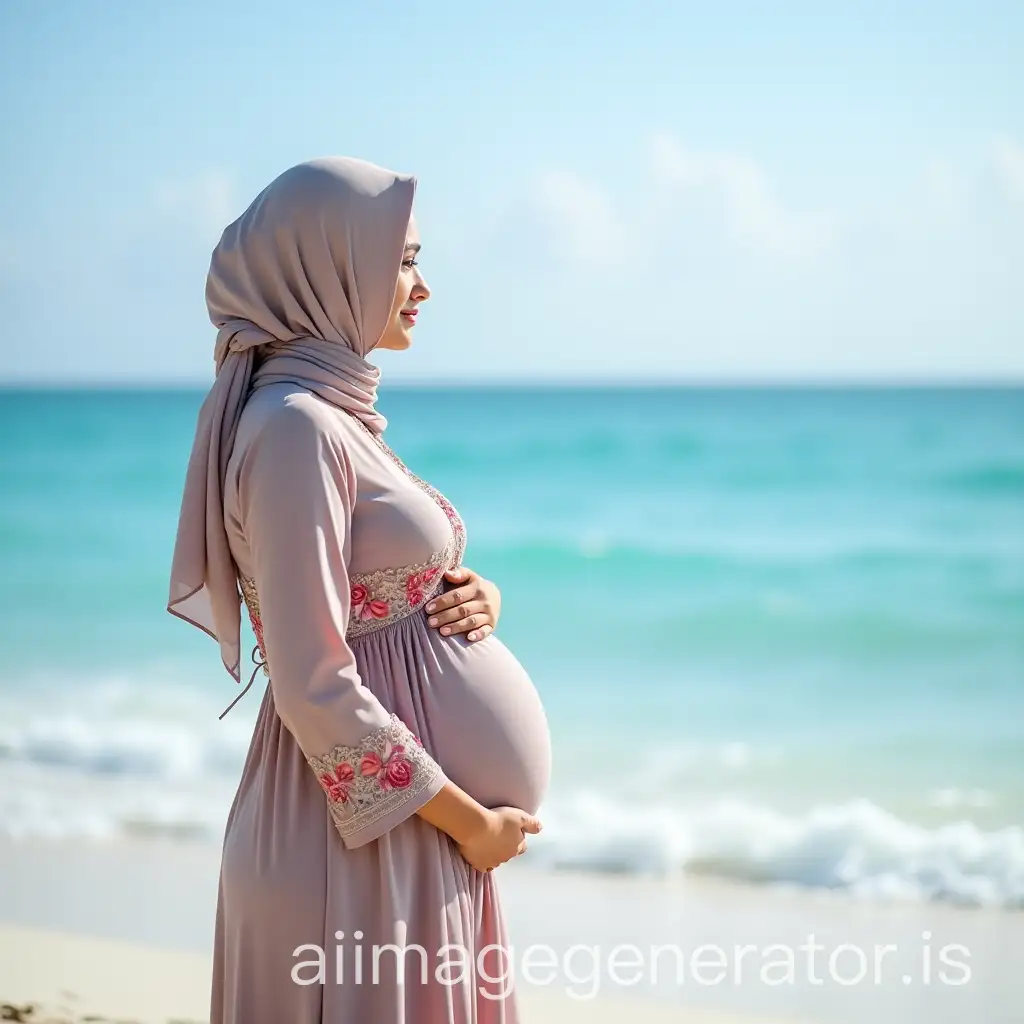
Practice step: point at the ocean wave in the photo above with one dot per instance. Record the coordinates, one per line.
(118, 736)
(63, 805)
(855, 847)
(116, 764)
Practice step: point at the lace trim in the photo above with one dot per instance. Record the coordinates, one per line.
(366, 782)
(386, 595)
(376, 598)
(252, 603)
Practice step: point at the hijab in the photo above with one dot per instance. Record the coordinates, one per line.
(306, 278)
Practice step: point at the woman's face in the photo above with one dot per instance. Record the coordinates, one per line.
(410, 291)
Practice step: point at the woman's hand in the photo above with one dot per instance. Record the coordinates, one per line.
(485, 837)
(472, 608)
(502, 837)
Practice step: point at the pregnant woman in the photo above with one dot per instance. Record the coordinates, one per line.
(399, 755)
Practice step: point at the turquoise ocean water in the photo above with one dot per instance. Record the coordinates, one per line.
(779, 632)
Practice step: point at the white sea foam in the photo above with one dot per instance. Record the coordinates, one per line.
(856, 847)
(113, 763)
(114, 758)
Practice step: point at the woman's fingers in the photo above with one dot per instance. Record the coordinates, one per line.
(521, 848)
(466, 609)
(462, 618)
(443, 602)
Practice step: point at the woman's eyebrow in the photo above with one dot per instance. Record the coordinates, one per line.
(415, 246)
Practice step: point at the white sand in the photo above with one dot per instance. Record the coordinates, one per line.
(150, 905)
(76, 976)
(73, 974)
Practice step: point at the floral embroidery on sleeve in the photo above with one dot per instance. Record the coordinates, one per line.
(338, 784)
(392, 771)
(365, 782)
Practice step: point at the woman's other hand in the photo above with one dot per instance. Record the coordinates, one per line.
(502, 837)
(472, 608)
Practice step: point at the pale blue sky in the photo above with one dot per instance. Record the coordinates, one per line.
(728, 191)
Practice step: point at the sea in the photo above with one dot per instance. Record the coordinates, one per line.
(779, 631)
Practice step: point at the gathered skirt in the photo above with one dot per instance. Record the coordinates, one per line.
(306, 929)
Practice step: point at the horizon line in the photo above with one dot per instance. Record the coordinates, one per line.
(908, 381)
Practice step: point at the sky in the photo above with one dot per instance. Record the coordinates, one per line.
(642, 191)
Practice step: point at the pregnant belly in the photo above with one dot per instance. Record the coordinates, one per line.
(488, 728)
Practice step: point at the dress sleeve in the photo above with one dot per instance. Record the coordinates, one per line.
(296, 491)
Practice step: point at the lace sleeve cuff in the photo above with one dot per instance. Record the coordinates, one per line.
(373, 786)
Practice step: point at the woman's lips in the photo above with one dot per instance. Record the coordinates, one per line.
(411, 317)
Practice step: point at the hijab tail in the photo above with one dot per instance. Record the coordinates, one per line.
(199, 620)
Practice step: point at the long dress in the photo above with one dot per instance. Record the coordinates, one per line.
(337, 903)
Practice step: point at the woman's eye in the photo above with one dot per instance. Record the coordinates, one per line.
(410, 263)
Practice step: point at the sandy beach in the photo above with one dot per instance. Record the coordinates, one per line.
(72, 970)
(55, 977)
(122, 930)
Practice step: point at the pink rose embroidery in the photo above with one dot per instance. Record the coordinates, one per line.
(415, 582)
(337, 785)
(363, 608)
(413, 593)
(392, 770)
(399, 774)
(374, 610)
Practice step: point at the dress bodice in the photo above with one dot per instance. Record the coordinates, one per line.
(394, 517)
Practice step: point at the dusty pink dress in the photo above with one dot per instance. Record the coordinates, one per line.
(367, 712)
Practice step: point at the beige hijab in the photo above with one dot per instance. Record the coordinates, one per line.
(307, 277)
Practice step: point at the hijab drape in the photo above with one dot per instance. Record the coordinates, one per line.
(307, 277)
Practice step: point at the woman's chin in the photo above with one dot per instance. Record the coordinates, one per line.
(396, 343)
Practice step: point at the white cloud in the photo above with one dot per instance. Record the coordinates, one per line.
(206, 202)
(711, 272)
(736, 185)
(581, 212)
(714, 201)
(1008, 159)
